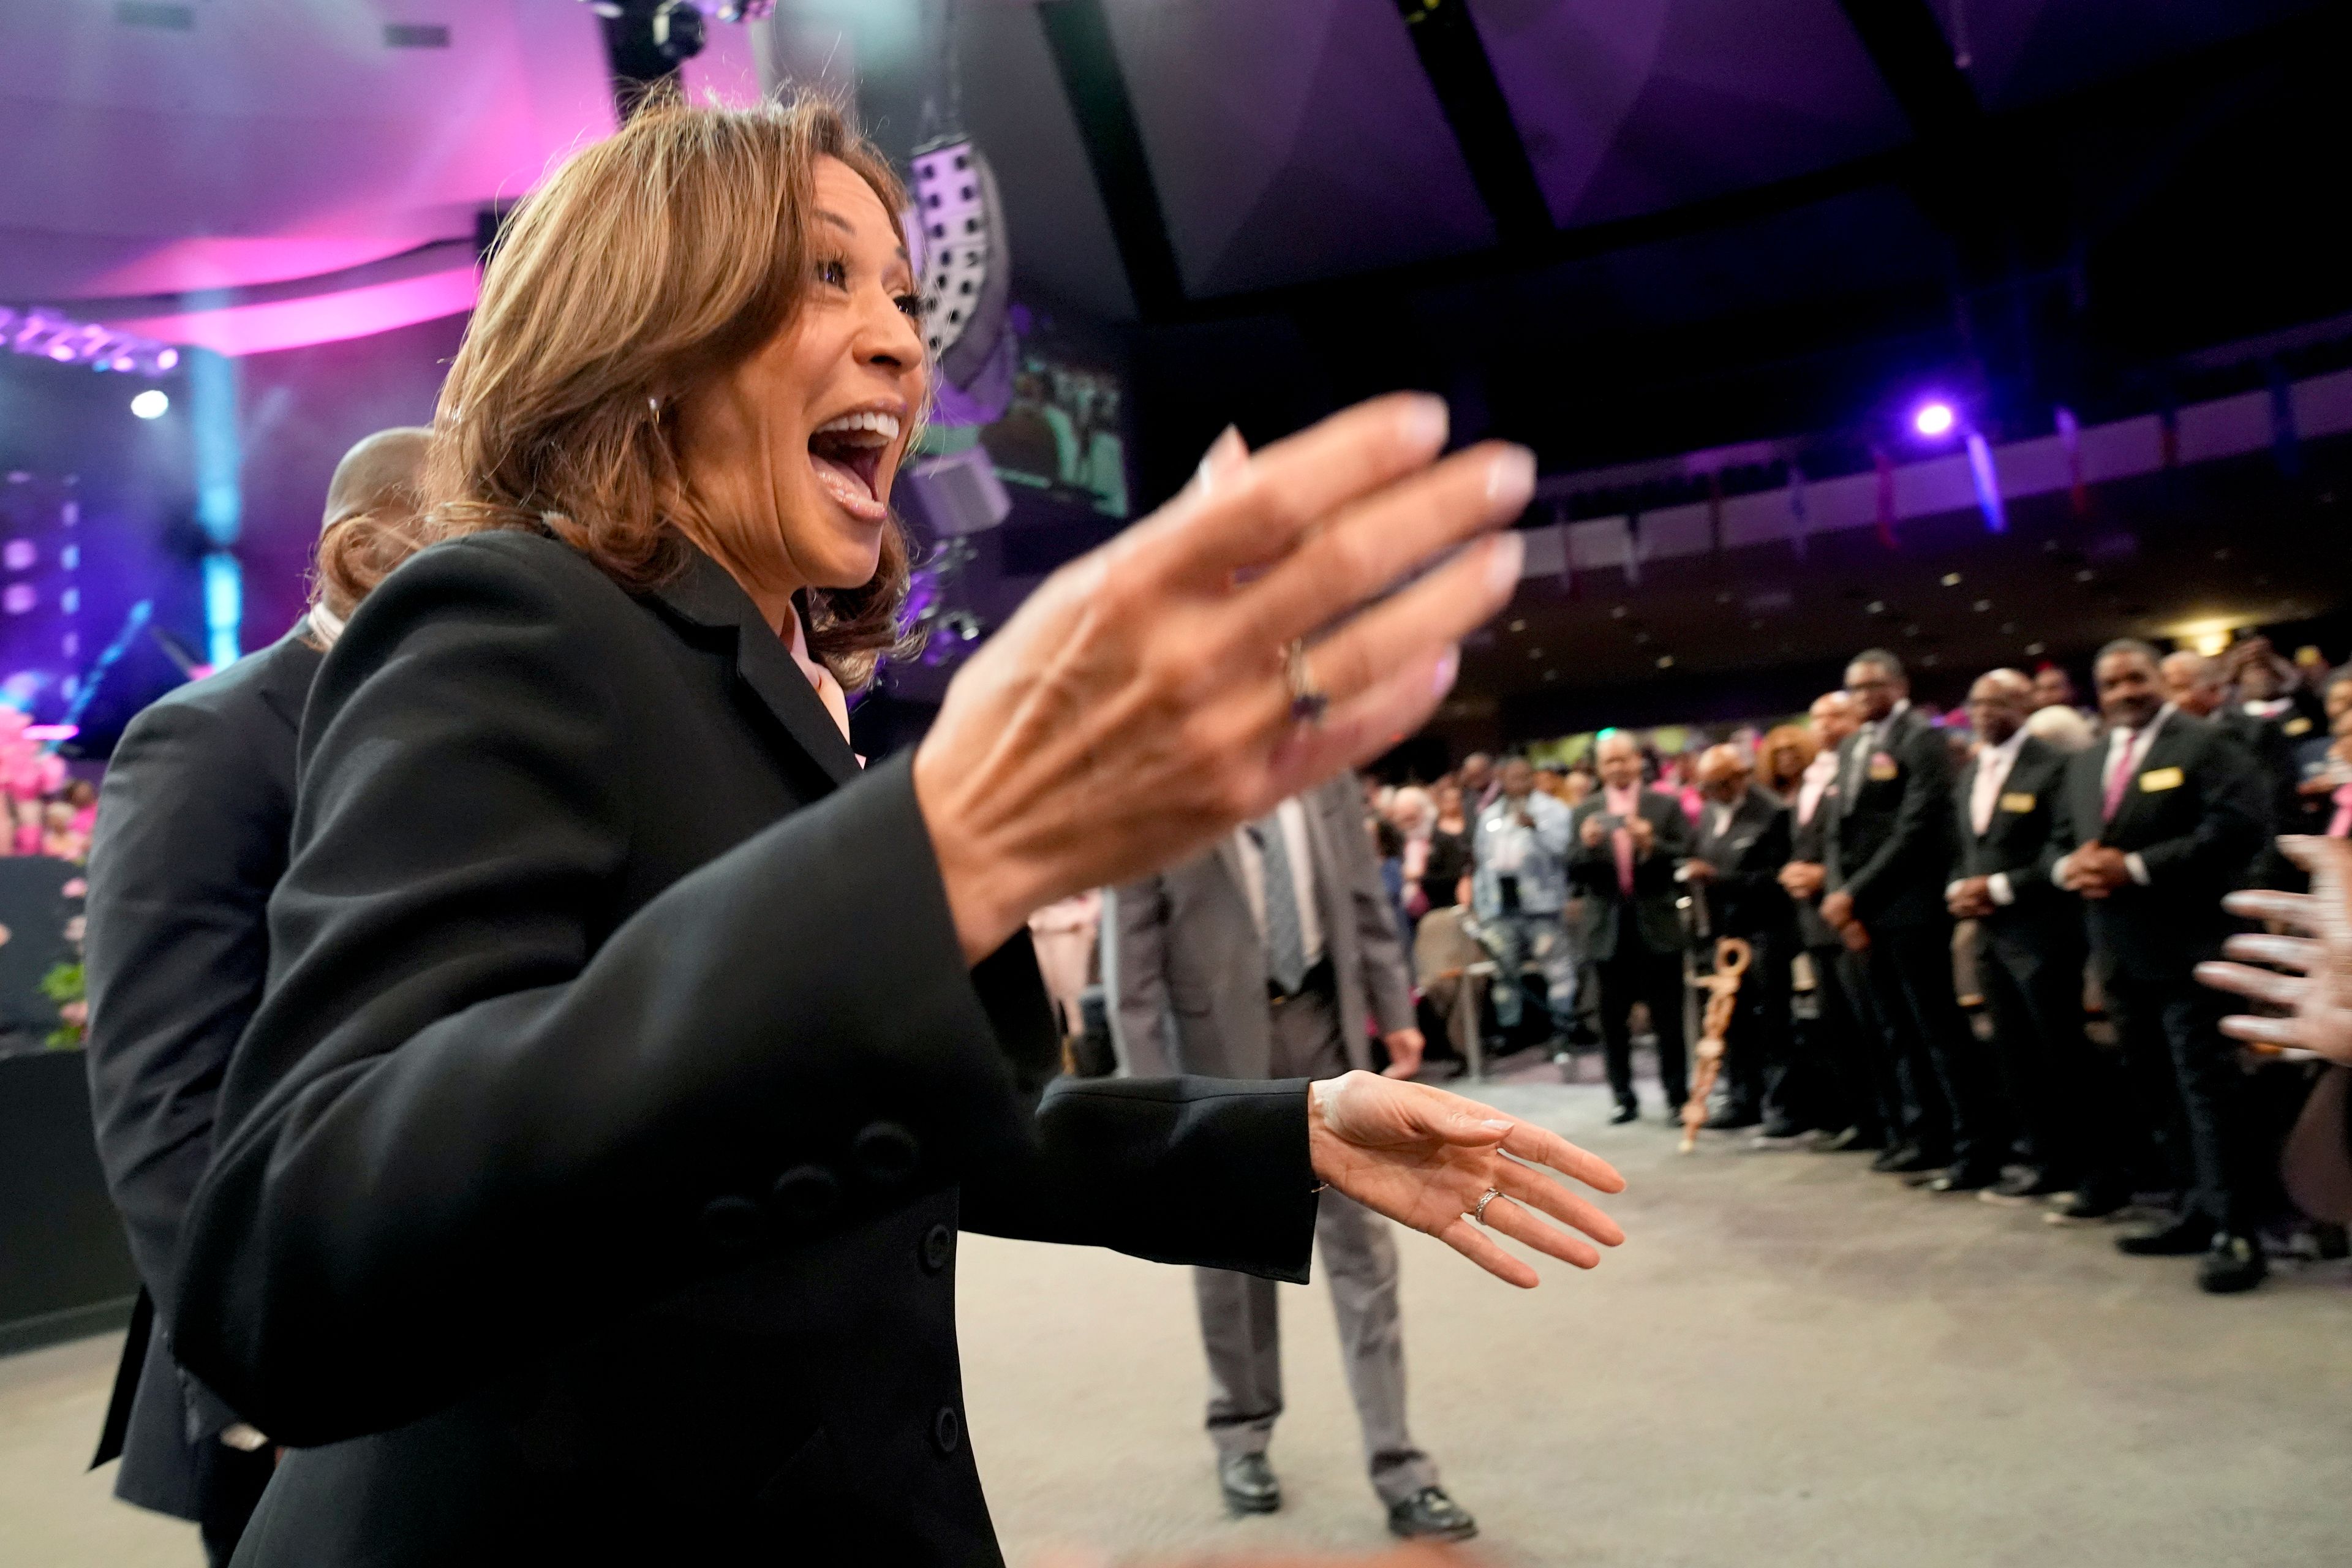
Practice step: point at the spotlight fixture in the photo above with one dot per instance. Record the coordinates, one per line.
(1934, 419)
(150, 403)
(679, 30)
(47, 334)
(1951, 579)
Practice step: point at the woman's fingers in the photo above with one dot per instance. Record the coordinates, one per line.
(1358, 730)
(1258, 513)
(2300, 911)
(1381, 540)
(1474, 1245)
(2264, 1031)
(1503, 1215)
(2262, 985)
(2299, 953)
(1538, 1190)
(1541, 1146)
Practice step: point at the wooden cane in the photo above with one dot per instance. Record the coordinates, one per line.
(1732, 957)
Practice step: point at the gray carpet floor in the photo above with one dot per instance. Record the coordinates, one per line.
(1790, 1361)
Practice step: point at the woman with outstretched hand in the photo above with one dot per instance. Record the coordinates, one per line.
(587, 1187)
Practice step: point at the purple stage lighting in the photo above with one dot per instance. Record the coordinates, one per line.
(1934, 419)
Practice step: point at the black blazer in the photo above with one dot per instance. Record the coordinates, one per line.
(1745, 899)
(191, 826)
(2195, 813)
(1810, 841)
(587, 1186)
(2019, 845)
(1890, 835)
(2273, 743)
(1592, 872)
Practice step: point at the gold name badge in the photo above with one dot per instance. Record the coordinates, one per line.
(2299, 725)
(2017, 803)
(2156, 779)
(1882, 769)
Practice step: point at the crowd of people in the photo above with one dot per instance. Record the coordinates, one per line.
(1973, 934)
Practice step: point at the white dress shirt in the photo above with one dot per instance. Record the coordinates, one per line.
(1815, 781)
(1992, 771)
(2126, 749)
(1293, 819)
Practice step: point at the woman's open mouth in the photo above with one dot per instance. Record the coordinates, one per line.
(846, 454)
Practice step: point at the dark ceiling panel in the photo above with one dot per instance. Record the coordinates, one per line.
(1014, 105)
(2021, 50)
(1455, 59)
(1633, 106)
(1293, 140)
(1079, 38)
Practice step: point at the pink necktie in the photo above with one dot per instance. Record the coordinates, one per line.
(2120, 779)
(1624, 806)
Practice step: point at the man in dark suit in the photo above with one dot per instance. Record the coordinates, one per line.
(1625, 843)
(1846, 1071)
(192, 834)
(1270, 956)
(2160, 822)
(2030, 960)
(1734, 873)
(1890, 842)
(2198, 685)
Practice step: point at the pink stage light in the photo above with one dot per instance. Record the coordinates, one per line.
(1934, 419)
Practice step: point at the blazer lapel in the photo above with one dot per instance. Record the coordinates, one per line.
(705, 595)
(288, 666)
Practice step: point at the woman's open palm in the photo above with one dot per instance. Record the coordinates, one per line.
(1425, 1158)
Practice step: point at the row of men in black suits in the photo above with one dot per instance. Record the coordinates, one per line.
(2113, 859)
(2118, 856)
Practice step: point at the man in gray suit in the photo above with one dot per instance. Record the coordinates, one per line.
(1267, 957)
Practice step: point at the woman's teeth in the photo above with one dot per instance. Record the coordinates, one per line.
(883, 425)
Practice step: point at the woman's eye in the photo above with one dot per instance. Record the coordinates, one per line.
(833, 273)
(909, 306)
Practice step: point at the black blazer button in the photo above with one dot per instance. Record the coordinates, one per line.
(733, 1224)
(887, 1153)
(947, 1430)
(806, 1195)
(938, 1245)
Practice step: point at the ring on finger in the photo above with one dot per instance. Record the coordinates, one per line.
(1307, 700)
(1479, 1215)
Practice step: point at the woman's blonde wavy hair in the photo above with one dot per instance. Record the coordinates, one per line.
(650, 262)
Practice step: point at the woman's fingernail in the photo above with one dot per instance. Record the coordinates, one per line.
(1504, 558)
(1496, 1126)
(1449, 665)
(1511, 479)
(1426, 421)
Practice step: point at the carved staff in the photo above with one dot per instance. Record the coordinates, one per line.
(1732, 957)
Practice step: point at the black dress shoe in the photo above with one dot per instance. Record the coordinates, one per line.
(1924, 1176)
(2088, 1207)
(1675, 1112)
(2023, 1185)
(1248, 1483)
(2234, 1263)
(1430, 1515)
(1905, 1157)
(1780, 1129)
(1732, 1117)
(1964, 1179)
(1843, 1141)
(2189, 1234)
(1626, 1112)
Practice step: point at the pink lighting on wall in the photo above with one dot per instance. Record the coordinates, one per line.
(255, 329)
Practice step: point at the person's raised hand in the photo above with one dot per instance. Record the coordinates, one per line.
(1697, 870)
(1643, 834)
(1425, 1158)
(1593, 832)
(2312, 974)
(1406, 1048)
(1136, 708)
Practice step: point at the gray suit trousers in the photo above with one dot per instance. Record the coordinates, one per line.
(1238, 1315)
